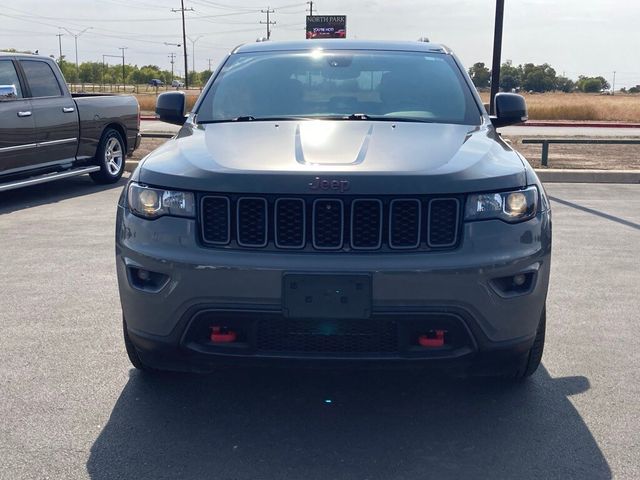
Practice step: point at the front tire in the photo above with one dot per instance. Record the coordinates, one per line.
(110, 157)
(534, 358)
(132, 353)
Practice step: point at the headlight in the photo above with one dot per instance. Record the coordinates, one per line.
(154, 202)
(511, 207)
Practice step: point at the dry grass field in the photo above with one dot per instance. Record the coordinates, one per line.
(581, 106)
(599, 157)
(542, 106)
(147, 101)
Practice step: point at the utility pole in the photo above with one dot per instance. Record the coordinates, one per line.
(60, 35)
(123, 74)
(613, 87)
(268, 23)
(172, 56)
(497, 53)
(184, 42)
(209, 60)
(76, 35)
(310, 3)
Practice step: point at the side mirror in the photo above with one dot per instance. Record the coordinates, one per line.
(511, 108)
(8, 92)
(170, 107)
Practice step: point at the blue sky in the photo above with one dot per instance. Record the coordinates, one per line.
(575, 36)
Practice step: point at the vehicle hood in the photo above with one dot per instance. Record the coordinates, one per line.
(358, 157)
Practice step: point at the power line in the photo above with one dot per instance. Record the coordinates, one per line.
(268, 23)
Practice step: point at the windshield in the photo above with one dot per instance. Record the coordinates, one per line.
(349, 85)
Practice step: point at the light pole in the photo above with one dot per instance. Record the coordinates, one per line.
(123, 74)
(172, 56)
(75, 36)
(60, 35)
(103, 67)
(193, 50)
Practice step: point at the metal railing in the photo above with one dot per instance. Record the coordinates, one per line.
(545, 142)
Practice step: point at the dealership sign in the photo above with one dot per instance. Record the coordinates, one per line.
(326, 26)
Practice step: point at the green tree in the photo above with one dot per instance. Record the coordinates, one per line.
(538, 78)
(194, 79)
(635, 89)
(565, 84)
(204, 76)
(144, 74)
(91, 72)
(68, 71)
(480, 75)
(510, 76)
(592, 84)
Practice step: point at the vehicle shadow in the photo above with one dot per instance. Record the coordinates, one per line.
(598, 213)
(277, 424)
(52, 192)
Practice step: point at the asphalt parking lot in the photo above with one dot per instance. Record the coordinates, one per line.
(71, 406)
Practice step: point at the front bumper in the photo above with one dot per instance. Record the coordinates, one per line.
(407, 287)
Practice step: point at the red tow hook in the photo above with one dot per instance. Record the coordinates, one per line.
(222, 335)
(433, 339)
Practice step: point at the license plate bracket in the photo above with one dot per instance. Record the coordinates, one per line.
(328, 296)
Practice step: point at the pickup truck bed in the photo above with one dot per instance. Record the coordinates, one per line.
(46, 133)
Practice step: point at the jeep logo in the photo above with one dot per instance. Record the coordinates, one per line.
(323, 184)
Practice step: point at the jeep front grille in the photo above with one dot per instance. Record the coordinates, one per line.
(252, 222)
(329, 224)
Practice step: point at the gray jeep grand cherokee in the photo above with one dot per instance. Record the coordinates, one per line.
(336, 202)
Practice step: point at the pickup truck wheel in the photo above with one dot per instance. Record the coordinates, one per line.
(110, 157)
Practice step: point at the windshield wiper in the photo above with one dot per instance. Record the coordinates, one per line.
(251, 118)
(381, 118)
(244, 118)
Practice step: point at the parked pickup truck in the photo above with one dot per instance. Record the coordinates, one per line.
(47, 134)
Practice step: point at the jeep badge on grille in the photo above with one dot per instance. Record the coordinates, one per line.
(324, 184)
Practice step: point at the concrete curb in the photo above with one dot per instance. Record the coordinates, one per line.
(157, 135)
(131, 165)
(557, 175)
